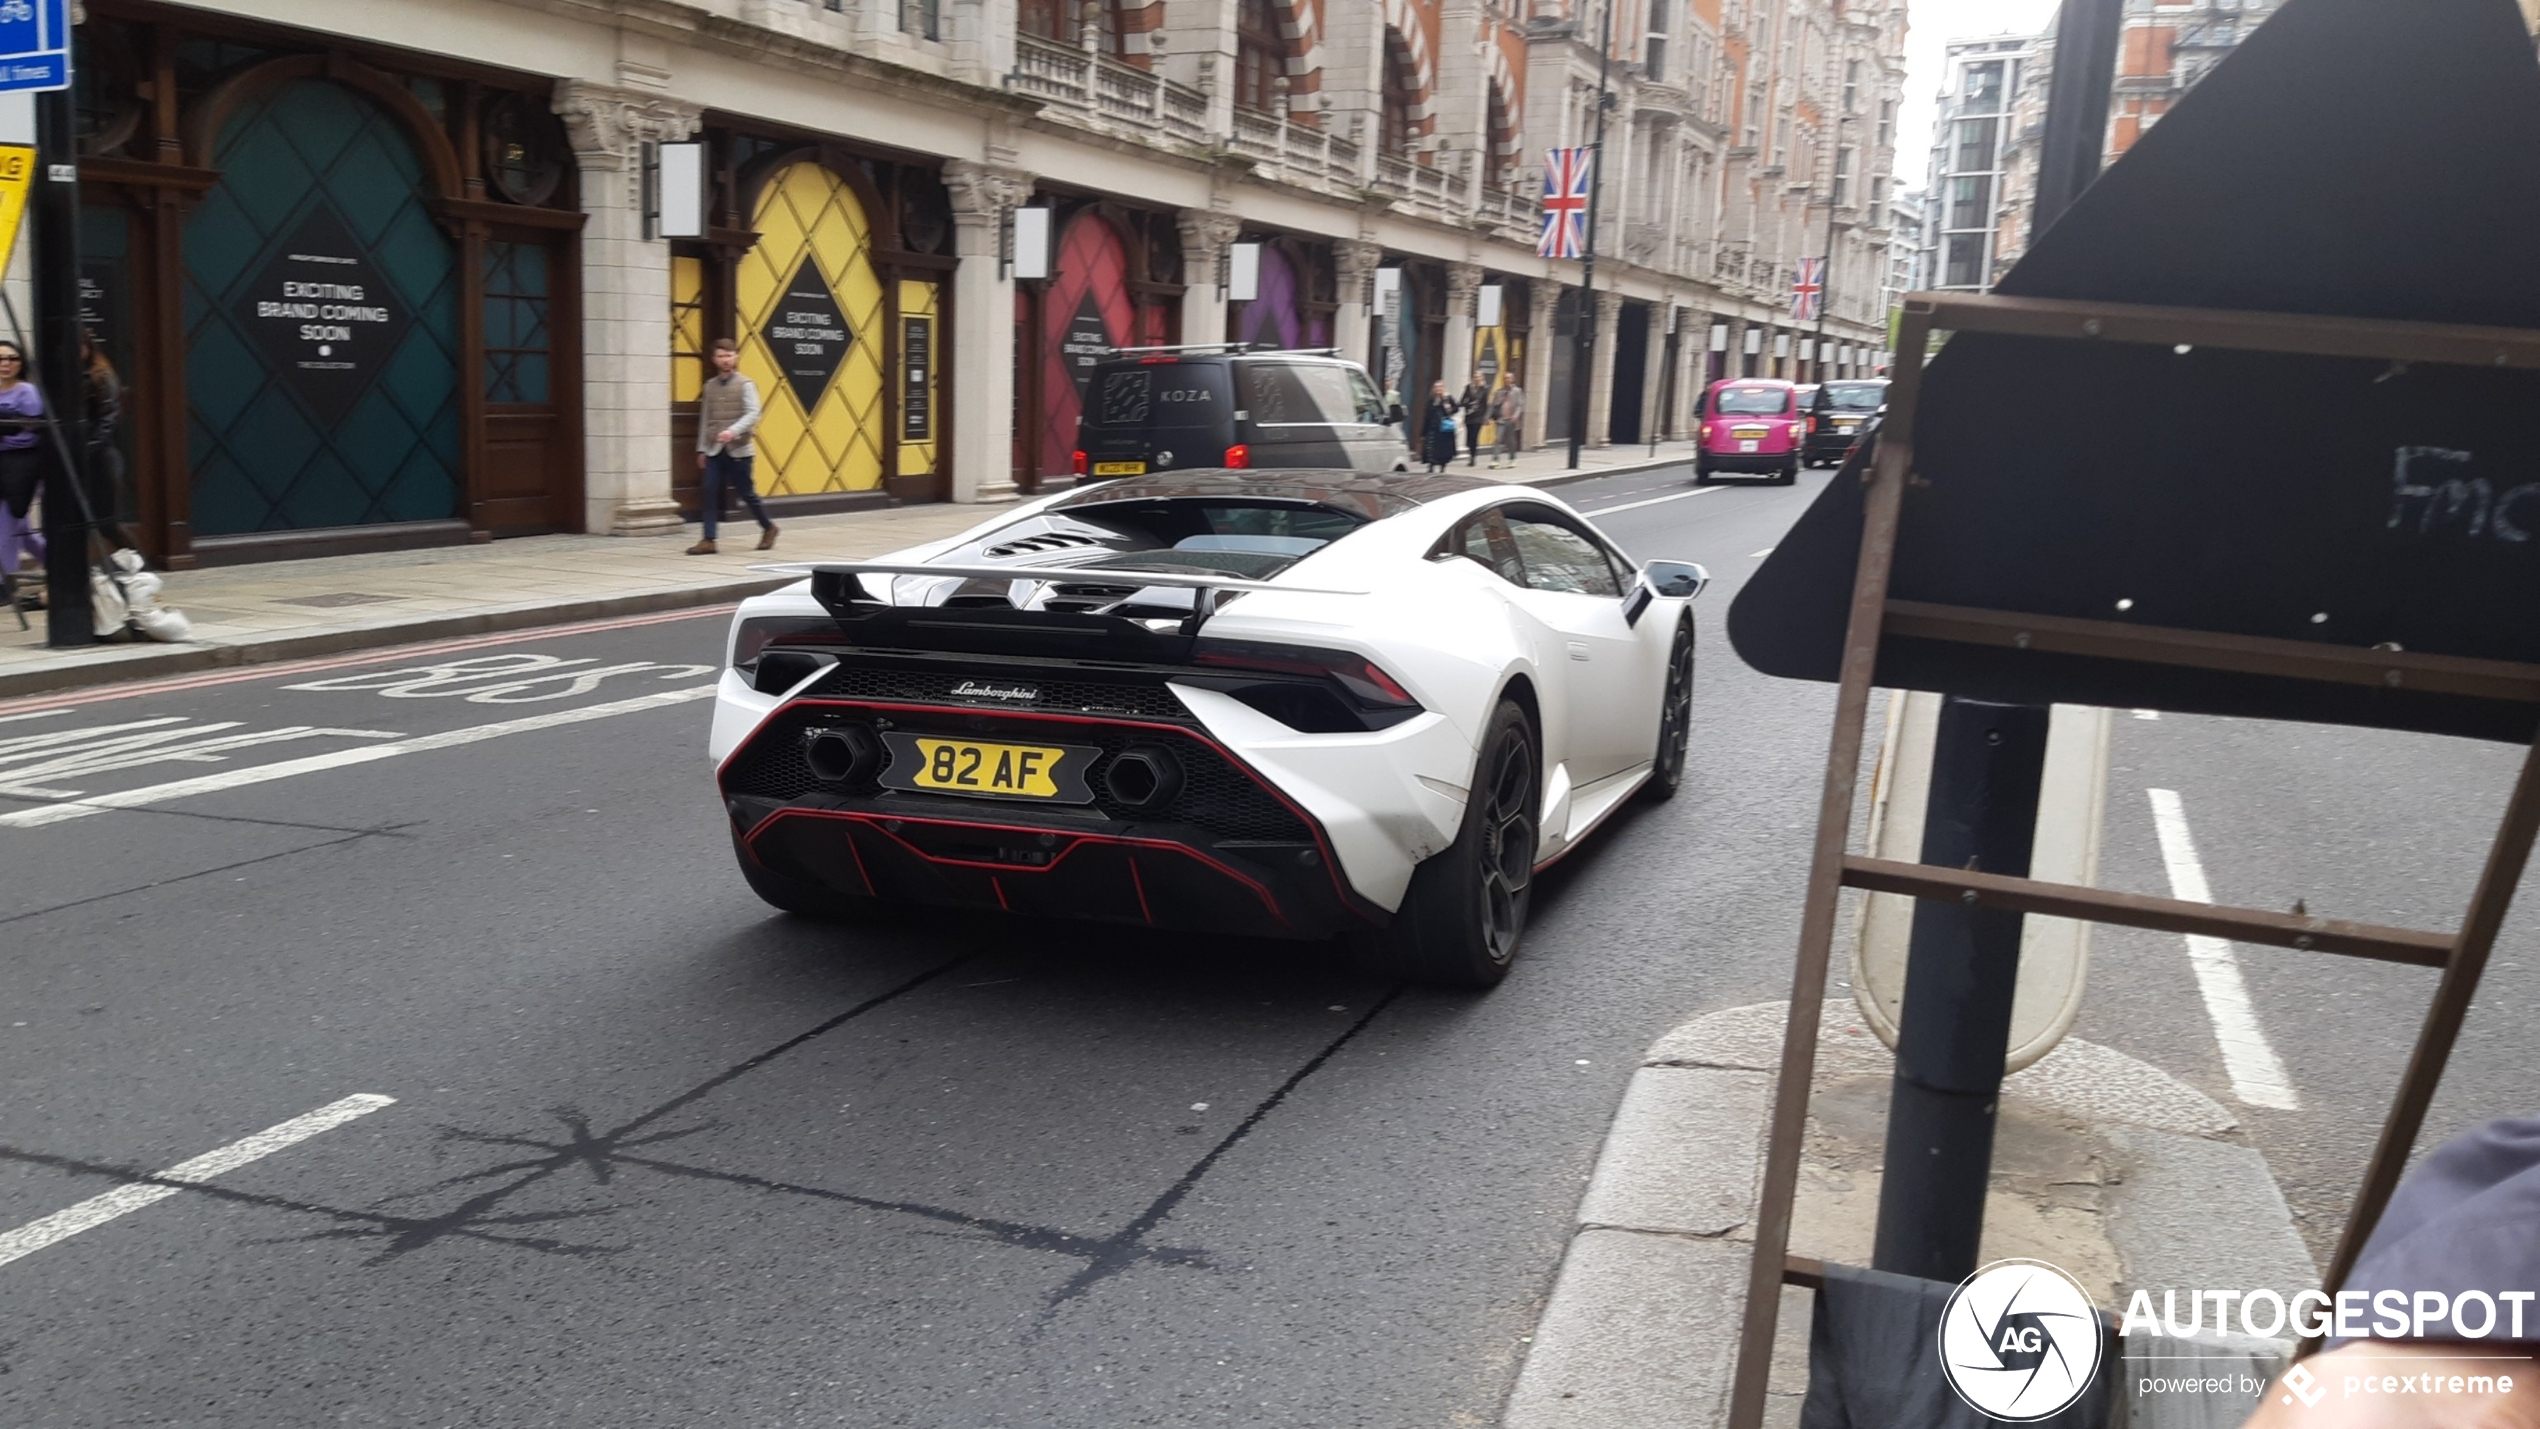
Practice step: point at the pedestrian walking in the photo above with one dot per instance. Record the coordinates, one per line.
(727, 413)
(101, 392)
(1476, 408)
(1508, 412)
(21, 463)
(1437, 427)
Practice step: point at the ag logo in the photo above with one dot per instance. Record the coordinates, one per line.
(2020, 1340)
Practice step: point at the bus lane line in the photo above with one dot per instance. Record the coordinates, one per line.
(342, 758)
(2257, 1075)
(60, 1226)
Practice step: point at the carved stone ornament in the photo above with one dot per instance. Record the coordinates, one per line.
(984, 190)
(1354, 259)
(1205, 231)
(1463, 280)
(604, 122)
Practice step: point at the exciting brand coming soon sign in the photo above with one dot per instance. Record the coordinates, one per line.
(325, 316)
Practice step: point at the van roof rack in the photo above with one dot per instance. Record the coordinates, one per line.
(1234, 347)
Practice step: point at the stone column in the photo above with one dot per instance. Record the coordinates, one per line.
(1205, 234)
(984, 196)
(1463, 281)
(1354, 265)
(1545, 300)
(626, 452)
(1600, 426)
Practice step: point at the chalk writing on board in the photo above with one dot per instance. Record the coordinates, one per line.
(2432, 492)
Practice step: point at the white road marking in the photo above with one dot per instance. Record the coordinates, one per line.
(2147, 714)
(31, 714)
(1673, 496)
(342, 758)
(2257, 1075)
(29, 763)
(1759, 555)
(123, 1200)
(549, 677)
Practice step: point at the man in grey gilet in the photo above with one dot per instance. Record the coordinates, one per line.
(727, 412)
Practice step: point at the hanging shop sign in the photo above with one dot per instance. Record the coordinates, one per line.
(326, 317)
(808, 335)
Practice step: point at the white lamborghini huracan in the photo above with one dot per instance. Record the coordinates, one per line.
(1294, 703)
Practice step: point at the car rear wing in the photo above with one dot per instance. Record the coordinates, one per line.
(871, 619)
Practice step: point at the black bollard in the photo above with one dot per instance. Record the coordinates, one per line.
(1960, 971)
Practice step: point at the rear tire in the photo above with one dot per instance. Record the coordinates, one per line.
(1464, 916)
(792, 895)
(1788, 475)
(1701, 473)
(1675, 719)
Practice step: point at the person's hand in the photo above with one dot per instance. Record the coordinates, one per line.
(701, 461)
(724, 437)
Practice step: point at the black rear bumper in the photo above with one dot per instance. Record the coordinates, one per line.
(1226, 853)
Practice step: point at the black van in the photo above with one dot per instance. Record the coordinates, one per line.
(1172, 409)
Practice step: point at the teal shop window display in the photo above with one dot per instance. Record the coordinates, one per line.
(321, 323)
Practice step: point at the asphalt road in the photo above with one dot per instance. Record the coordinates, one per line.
(658, 1156)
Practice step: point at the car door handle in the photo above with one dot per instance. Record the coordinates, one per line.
(1578, 651)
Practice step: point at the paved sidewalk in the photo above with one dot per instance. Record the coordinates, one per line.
(293, 609)
(2105, 1166)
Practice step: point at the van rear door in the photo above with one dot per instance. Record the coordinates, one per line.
(1156, 414)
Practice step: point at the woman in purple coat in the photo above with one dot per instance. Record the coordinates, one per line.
(21, 463)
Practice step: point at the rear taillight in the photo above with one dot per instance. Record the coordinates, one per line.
(1080, 461)
(1369, 687)
(1239, 456)
(760, 631)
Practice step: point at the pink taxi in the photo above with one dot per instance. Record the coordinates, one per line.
(1751, 424)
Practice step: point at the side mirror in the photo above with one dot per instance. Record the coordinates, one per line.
(1676, 580)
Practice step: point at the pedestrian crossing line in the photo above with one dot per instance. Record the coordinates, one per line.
(2257, 1075)
(60, 1226)
(341, 758)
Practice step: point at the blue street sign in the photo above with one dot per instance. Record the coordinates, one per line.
(35, 44)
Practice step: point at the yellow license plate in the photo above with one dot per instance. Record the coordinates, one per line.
(1120, 468)
(1751, 433)
(931, 764)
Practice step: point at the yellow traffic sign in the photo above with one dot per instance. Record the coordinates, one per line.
(17, 177)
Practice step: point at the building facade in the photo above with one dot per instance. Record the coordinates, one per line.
(394, 274)
(1985, 145)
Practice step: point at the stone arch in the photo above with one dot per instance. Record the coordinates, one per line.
(203, 126)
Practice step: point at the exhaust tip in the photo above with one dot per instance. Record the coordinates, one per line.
(1142, 777)
(847, 754)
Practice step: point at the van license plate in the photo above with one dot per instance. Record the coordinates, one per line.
(1049, 773)
(1748, 446)
(1120, 468)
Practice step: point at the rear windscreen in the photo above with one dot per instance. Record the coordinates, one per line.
(1163, 394)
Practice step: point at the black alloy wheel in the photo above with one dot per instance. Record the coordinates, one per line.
(1464, 915)
(1675, 718)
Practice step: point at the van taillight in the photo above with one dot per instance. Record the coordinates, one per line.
(1239, 456)
(1080, 461)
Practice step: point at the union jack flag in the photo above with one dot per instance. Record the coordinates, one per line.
(1808, 290)
(1566, 174)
